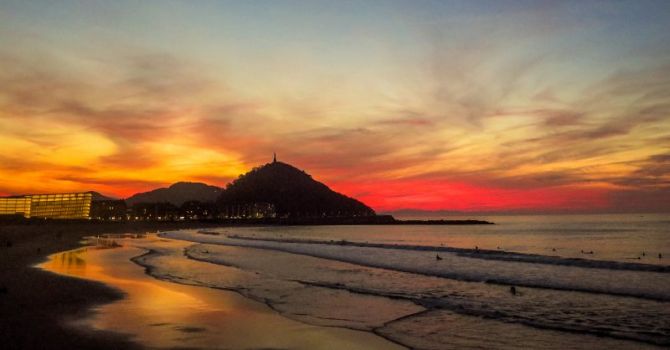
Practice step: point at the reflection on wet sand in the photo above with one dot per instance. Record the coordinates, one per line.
(167, 315)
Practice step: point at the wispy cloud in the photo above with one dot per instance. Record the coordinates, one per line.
(473, 111)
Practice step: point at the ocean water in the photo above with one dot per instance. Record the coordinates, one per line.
(581, 281)
(158, 314)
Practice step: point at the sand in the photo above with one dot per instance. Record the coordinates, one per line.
(161, 314)
(36, 305)
(40, 309)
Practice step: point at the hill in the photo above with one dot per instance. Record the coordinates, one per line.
(292, 193)
(177, 194)
(97, 196)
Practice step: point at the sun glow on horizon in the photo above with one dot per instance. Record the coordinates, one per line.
(437, 106)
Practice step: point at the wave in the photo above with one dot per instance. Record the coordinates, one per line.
(657, 337)
(306, 282)
(493, 267)
(543, 309)
(481, 254)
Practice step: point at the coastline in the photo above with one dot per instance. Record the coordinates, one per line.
(160, 313)
(371, 220)
(83, 296)
(37, 302)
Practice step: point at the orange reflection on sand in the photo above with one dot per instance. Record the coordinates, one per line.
(149, 295)
(168, 315)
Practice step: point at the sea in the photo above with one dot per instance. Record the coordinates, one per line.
(538, 282)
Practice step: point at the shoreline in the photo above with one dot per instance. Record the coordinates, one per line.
(192, 315)
(373, 220)
(35, 301)
(375, 331)
(62, 299)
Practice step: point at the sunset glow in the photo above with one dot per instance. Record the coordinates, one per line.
(554, 107)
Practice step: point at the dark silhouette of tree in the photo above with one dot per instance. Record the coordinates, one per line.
(154, 211)
(108, 209)
(193, 210)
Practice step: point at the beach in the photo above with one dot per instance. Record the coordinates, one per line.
(57, 303)
(368, 287)
(462, 300)
(161, 314)
(335, 175)
(34, 301)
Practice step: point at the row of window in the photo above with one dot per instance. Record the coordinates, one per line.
(59, 197)
(12, 206)
(58, 206)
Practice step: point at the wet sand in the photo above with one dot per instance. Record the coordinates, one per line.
(36, 305)
(161, 314)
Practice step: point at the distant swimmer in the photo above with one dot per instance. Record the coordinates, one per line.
(437, 257)
(553, 249)
(512, 290)
(644, 254)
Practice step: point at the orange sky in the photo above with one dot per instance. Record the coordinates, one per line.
(437, 106)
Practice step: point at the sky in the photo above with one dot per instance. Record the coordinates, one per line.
(475, 106)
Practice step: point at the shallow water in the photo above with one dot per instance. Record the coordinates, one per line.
(402, 278)
(161, 314)
(621, 238)
(386, 280)
(562, 300)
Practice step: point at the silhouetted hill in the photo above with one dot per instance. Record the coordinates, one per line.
(292, 192)
(97, 196)
(177, 194)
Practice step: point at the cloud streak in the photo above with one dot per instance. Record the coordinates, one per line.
(498, 117)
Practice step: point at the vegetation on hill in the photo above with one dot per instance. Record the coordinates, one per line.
(177, 194)
(291, 192)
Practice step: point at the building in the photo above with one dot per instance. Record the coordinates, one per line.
(248, 211)
(154, 212)
(196, 210)
(15, 206)
(109, 210)
(48, 206)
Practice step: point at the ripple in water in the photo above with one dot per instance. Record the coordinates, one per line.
(409, 296)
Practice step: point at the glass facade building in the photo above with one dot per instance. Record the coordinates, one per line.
(15, 206)
(52, 206)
